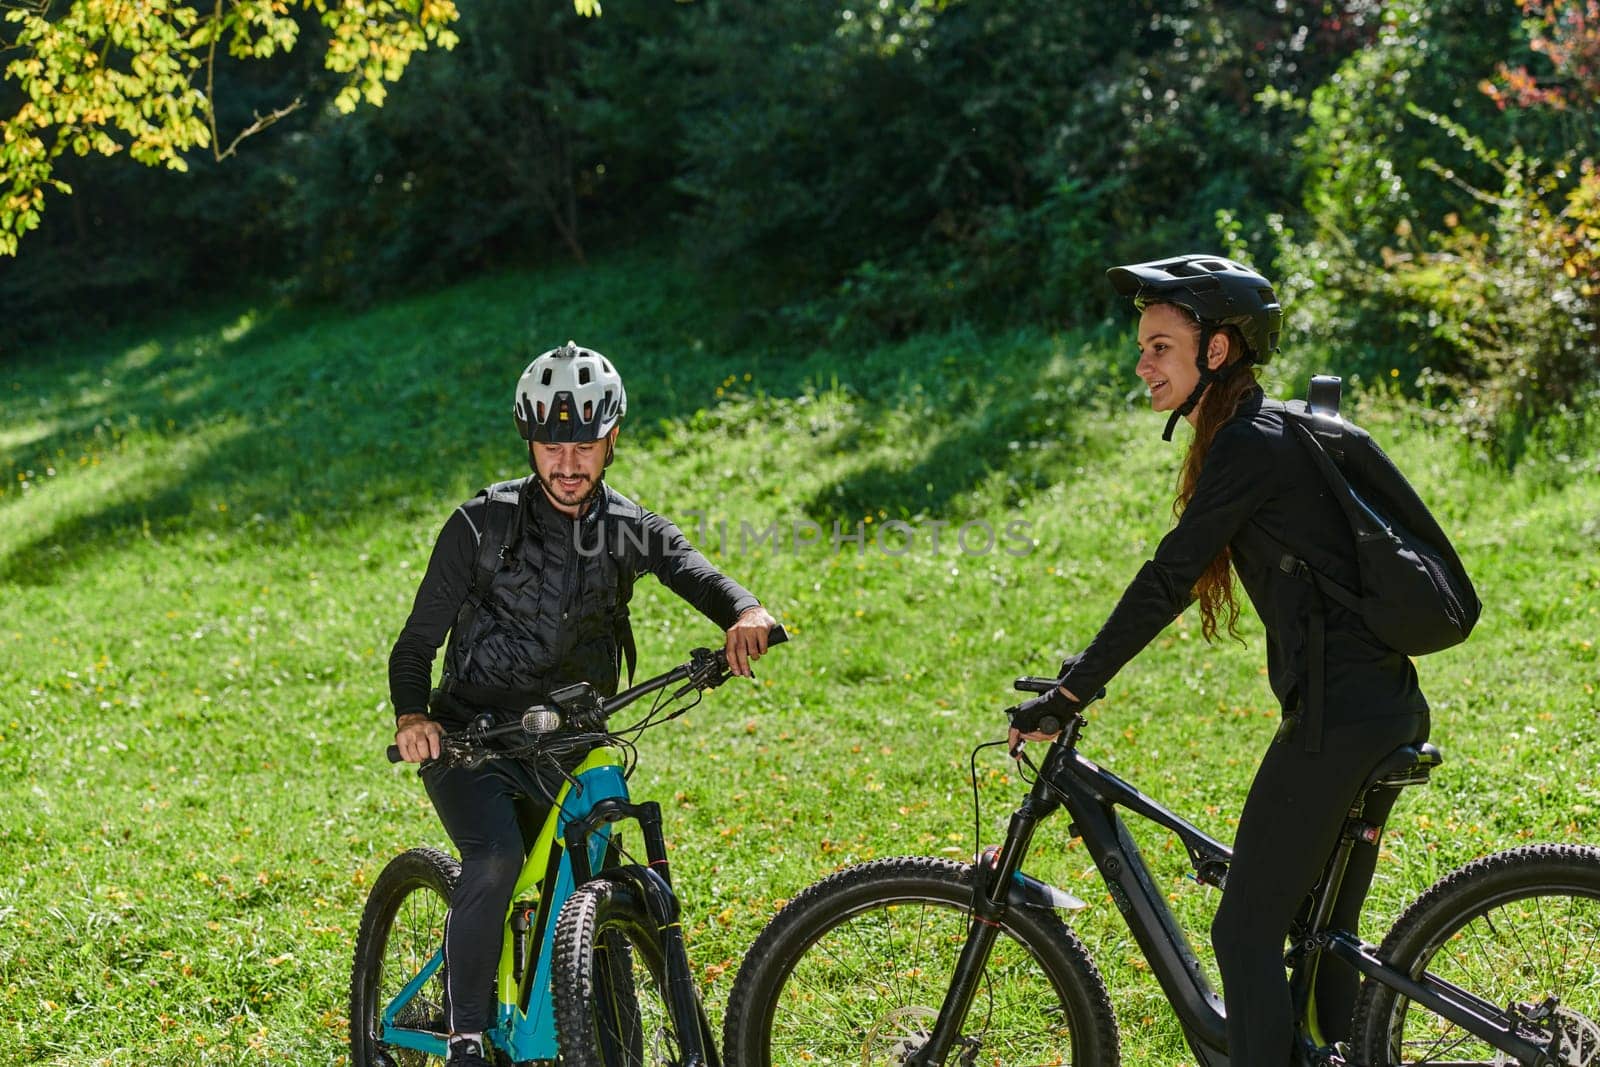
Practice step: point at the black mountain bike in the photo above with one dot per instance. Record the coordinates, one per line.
(916, 961)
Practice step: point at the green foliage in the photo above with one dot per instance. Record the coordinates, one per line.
(985, 160)
(139, 78)
(1515, 304)
(211, 531)
(468, 164)
(1444, 252)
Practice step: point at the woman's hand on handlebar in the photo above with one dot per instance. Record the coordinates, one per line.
(1040, 712)
(747, 639)
(417, 737)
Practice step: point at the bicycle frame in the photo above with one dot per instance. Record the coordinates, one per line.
(525, 1026)
(1091, 796)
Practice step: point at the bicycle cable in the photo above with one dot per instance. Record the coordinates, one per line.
(977, 816)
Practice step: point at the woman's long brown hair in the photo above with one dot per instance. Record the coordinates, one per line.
(1214, 590)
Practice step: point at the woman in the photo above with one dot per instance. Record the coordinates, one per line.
(1248, 491)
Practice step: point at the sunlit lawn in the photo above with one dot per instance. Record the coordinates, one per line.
(210, 534)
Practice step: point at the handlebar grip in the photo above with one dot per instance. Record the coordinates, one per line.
(394, 754)
(1035, 685)
(777, 635)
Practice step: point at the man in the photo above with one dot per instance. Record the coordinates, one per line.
(531, 580)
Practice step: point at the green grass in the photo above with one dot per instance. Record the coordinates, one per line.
(210, 534)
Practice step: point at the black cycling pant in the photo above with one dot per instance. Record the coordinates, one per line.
(1290, 825)
(493, 814)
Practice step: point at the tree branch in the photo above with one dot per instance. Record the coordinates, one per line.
(261, 122)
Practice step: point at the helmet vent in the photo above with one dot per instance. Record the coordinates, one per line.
(588, 410)
(538, 411)
(584, 375)
(544, 379)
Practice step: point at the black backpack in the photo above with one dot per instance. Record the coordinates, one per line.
(1415, 595)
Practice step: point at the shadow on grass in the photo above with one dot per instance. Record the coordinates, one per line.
(263, 425)
(1004, 418)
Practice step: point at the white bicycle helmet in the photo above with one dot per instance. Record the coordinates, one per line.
(569, 393)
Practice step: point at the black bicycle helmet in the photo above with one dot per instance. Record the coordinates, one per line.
(1219, 292)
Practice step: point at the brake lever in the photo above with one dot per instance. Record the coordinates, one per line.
(707, 670)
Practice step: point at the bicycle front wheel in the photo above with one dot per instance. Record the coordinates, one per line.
(1520, 930)
(610, 982)
(402, 928)
(854, 971)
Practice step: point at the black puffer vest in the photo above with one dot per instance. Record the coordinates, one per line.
(556, 608)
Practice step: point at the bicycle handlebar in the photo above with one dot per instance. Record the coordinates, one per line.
(705, 670)
(1029, 684)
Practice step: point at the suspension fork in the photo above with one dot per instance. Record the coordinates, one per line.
(653, 883)
(991, 887)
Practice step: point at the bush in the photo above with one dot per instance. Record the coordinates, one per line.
(1444, 254)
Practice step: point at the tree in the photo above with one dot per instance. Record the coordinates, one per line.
(138, 76)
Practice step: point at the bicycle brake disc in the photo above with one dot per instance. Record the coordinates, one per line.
(1577, 1038)
(1580, 1039)
(898, 1035)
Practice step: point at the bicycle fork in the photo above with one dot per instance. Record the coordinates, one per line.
(992, 888)
(653, 884)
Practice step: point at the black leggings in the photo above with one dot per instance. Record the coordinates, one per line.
(1291, 822)
(493, 814)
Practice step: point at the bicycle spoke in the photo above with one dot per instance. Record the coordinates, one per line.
(1528, 949)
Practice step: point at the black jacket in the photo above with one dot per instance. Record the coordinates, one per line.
(1256, 481)
(550, 615)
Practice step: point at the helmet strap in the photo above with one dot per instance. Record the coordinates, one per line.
(1207, 376)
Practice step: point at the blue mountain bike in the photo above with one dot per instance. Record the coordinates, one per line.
(593, 967)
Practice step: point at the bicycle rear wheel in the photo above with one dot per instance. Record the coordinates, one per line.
(609, 979)
(855, 969)
(402, 928)
(1520, 930)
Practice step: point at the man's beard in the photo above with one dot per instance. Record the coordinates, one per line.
(585, 491)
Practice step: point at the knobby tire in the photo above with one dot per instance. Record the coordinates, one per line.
(1516, 927)
(855, 969)
(402, 926)
(610, 982)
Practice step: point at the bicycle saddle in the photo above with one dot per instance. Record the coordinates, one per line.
(1406, 765)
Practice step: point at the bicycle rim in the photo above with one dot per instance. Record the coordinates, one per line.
(860, 977)
(401, 933)
(1519, 930)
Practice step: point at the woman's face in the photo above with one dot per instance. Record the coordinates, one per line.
(1168, 342)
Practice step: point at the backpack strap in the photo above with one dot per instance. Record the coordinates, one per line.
(1323, 438)
(502, 502)
(622, 546)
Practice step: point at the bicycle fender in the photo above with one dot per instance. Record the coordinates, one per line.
(1028, 891)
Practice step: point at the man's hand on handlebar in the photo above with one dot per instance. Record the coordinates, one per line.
(747, 639)
(1042, 718)
(417, 737)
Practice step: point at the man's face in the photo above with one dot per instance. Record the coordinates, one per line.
(571, 470)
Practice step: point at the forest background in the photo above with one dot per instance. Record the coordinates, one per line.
(850, 256)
